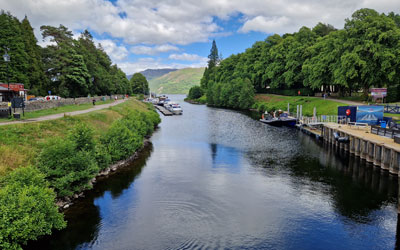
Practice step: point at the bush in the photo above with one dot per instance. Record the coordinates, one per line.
(67, 168)
(82, 135)
(195, 92)
(27, 208)
(122, 139)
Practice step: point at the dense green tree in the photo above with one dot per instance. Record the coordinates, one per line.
(195, 92)
(139, 84)
(322, 29)
(65, 67)
(11, 38)
(35, 73)
(325, 54)
(27, 208)
(371, 51)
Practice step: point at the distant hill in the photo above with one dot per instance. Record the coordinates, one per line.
(177, 82)
(153, 73)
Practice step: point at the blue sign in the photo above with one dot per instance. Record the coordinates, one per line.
(49, 92)
(370, 114)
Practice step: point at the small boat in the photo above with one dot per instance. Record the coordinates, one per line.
(272, 121)
(279, 119)
(269, 119)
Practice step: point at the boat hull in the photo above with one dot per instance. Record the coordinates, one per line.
(272, 122)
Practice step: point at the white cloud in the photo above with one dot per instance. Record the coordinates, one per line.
(185, 22)
(267, 25)
(115, 52)
(147, 50)
(187, 57)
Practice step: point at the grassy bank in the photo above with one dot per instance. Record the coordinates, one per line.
(273, 102)
(57, 110)
(44, 160)
(21, 143)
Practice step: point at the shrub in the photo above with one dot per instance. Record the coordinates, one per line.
(82, 135)
(195, 92)
(27, 208)
(122, 139)
(67, 169)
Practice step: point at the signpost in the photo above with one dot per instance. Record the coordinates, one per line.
(377, 93)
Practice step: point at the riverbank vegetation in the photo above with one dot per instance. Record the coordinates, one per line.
(364, 54)
(67, 67)
(268, 102)
(44, 160)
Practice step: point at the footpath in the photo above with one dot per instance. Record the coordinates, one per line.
(60, 115)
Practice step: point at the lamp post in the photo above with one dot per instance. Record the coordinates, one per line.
(6, 58)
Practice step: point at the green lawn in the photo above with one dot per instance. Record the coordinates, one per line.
(58, 110)
(275, 102)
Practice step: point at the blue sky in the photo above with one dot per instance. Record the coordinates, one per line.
(142, 34)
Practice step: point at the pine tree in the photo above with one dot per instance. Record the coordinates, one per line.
(35, 72)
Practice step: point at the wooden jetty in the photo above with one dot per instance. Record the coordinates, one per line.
(378, 150)
(163, 110)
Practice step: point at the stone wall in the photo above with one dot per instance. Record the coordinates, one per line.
(39, 105)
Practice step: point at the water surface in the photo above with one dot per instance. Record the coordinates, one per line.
(218, 179)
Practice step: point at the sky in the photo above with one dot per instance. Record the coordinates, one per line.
(144, 34)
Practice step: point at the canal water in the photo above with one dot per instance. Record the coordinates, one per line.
(218, 179)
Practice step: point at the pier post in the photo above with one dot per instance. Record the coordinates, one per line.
(394, 162)
(377, 154)
(385, 158)
(363, 149)
(357, 146)
(351, 144)
(301, 111)
(370, 152)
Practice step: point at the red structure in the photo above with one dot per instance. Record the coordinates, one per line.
(16, 89)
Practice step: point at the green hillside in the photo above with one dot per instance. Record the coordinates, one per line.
(177, 82)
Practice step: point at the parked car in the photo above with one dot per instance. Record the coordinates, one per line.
(36, 99)
(52, 97)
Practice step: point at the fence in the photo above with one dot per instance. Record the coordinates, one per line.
(392, 109)
(315, 120)
(391, 133)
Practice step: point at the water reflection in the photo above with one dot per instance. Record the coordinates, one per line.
(84, 218)
(218, 179)
(225, 157)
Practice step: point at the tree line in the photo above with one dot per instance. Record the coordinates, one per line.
(364, 54)
(67, 67)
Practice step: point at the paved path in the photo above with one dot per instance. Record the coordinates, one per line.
(352, 103)
(57, 116)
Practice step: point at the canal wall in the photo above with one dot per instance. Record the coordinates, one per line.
(380, 151)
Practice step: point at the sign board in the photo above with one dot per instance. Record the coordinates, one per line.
(369, 114)
(378, 92)
(17, 102)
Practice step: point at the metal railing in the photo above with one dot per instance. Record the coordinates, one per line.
(390, 133)
(315, 120)
(392, 109)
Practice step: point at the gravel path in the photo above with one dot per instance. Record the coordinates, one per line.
(57, 116)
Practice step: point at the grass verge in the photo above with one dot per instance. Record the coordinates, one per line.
(273, 102)
(57, 110)
(21, 143)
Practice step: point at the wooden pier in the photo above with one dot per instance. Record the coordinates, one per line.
(378, 150)
(163, 110)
